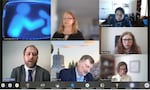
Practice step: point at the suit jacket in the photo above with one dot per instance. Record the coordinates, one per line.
(19, 75)
(70, 75)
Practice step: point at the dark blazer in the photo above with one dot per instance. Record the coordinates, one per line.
(60, 36)
(41, 74)
(70, 75)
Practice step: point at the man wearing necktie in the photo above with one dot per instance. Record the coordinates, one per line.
(81, 73)
(30, 75)
(30, 71)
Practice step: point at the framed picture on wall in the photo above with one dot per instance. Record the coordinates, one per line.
(134, 66)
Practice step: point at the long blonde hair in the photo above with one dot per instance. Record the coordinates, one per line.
(74, 26)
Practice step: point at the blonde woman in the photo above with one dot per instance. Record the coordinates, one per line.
(69, 28)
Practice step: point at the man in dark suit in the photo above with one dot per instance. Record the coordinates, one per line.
(81, 72)
(30, 71)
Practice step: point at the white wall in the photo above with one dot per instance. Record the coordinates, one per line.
(107, 7)
(13, 55)
(108, 37)
(142, 58)
(54, 17)
(144, 8)
(87, 28)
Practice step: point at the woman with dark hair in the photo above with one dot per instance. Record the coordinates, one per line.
(69, 28)
(127, 44)
(122, 70)
(119, 20)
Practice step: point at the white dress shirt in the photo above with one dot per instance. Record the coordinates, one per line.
(27, 73)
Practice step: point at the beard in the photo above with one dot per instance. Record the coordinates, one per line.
(30, 64)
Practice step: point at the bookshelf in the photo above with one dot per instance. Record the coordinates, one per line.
(107, 66)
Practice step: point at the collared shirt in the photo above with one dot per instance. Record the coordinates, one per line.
(27, 73)
(79, 78)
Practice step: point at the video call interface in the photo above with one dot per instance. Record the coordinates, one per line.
(74, 44)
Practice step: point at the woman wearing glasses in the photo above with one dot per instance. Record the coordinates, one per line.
(120, 19)
(127, 44)
(121, 76)
(69, 28)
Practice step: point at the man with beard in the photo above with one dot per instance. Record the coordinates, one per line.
(30, 71)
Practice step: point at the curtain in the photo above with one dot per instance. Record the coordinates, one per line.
(144, 8)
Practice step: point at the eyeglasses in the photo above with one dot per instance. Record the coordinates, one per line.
(33, 54)
(123, 69)
(129, 40)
